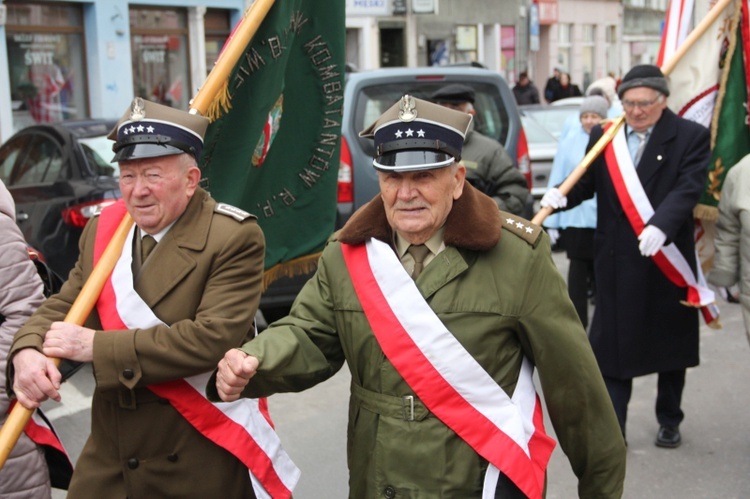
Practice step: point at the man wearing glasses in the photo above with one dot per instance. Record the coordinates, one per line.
(647, 180)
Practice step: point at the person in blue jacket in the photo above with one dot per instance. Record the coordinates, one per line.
(575, 228)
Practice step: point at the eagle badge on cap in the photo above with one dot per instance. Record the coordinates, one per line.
(137, 109)
(408, 109)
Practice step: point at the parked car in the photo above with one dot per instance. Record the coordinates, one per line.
(59, 176)
(542, 149)
(552, 117)
(370, 93)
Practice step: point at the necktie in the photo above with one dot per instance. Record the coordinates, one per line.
(148, 243)
(641, 146)
(418, 252)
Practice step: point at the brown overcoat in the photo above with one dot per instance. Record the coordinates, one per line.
(204, 280)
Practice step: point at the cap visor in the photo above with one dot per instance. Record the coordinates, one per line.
(140, 151)
(410, 161)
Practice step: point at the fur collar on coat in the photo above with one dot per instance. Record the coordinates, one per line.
(473, 223)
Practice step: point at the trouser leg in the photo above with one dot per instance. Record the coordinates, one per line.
(578, 289)
(669, 398)
(619, 392)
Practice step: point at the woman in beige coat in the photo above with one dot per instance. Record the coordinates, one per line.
(732, 259)
(25, 473)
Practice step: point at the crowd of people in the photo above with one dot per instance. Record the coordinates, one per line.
(441, 322)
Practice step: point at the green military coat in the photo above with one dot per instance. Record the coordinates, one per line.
(204, 280)
(503, 298)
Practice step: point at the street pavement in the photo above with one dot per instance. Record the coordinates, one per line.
(713, 461)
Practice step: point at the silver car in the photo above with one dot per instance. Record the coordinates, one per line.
(368, 94)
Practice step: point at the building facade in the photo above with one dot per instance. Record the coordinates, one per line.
(584, 37)
(79, 59)
(87, 58)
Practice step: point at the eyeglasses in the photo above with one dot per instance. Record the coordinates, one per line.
(629, 105)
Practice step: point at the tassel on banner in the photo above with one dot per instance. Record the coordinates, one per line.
(220, 104)
(299, 266)
(706, 212)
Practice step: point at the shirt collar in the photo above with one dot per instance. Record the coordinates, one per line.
(159, 235)
(632, 132)
(435, 243)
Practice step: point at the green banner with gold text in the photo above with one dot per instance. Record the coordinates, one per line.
(273, 149)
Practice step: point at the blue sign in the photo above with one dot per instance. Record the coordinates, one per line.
(534, 27)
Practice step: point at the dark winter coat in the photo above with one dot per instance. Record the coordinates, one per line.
(639, 325)
(526, 94)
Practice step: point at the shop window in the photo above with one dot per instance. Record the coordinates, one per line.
(588, 54)
(159, 46)
(508, 52)
(46, 63)
(564, 38)
(217, 26)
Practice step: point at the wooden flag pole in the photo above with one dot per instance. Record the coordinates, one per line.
(667, 68)
(235, 47)
(84, 303)
(579, 170)
(79, 311)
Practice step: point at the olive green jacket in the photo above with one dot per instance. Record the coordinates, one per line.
(503, 298)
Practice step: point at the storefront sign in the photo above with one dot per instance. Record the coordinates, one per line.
(37, 48)
(367, 7)
(534, 28)
(424, 6)
(466, 37)
(547, 11)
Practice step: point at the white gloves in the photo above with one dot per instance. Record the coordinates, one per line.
(554, 199)
(554, 235)
(652, 239)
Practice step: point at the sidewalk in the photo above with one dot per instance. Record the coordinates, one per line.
(714, 458)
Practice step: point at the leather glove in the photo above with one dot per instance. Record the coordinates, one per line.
(652, 239)
(554, 199)
(554, 235)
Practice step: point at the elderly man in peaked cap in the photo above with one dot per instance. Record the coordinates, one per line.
(184, 290)
(489, 168)
(442, 306)
(647, 183)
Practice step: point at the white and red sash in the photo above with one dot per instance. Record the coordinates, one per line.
(638, 210)
(507, 431)
(243, 427)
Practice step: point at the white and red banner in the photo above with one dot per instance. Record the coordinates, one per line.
(243, 427)
(638, 209)
(694, 81)
(507, 431)
(676, 28)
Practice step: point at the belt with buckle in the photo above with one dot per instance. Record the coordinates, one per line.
(406, 408)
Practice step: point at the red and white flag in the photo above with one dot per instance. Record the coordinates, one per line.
(676, 28)
(694, 81)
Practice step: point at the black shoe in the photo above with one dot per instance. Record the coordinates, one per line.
(668, 437)
(730, 297)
